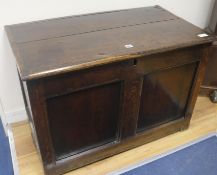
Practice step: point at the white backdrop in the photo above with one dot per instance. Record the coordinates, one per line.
(16, 11)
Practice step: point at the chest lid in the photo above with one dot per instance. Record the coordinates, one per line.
(48, 47)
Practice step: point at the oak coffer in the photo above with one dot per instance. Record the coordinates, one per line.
(99, 84)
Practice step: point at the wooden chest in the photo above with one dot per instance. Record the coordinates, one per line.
(99, 84)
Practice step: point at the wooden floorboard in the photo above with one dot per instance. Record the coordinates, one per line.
(204, 121)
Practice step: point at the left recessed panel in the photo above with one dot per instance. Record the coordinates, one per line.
(85, 119)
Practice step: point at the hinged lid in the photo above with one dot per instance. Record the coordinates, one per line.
(54, 46)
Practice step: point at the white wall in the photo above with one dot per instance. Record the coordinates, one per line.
(17, 11)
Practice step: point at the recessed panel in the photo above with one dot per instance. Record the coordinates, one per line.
(164, 95)
(85, 119)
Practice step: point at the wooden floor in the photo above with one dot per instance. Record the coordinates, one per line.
(204, 121)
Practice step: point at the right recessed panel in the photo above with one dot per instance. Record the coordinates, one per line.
(165, 95)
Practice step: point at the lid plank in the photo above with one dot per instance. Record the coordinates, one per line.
(74, 25)
(57, 50)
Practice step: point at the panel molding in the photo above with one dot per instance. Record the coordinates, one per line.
(76, 90)
(104, 95)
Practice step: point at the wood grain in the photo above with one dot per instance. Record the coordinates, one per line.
(42, 50)
(209, 84)
(86, 23)
(87, 93)
(204, 121)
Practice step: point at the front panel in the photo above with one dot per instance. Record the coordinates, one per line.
(164, 95)
(84, 119)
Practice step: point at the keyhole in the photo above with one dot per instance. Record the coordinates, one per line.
(135, 62)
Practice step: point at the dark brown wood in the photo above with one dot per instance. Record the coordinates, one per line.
(87, 23)
(101, 104)
(132, 142)
(99, 84)
(210, 80)
(49, 56)
(131, 99)
(40, 121)
(162, 98)
(198, 81)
